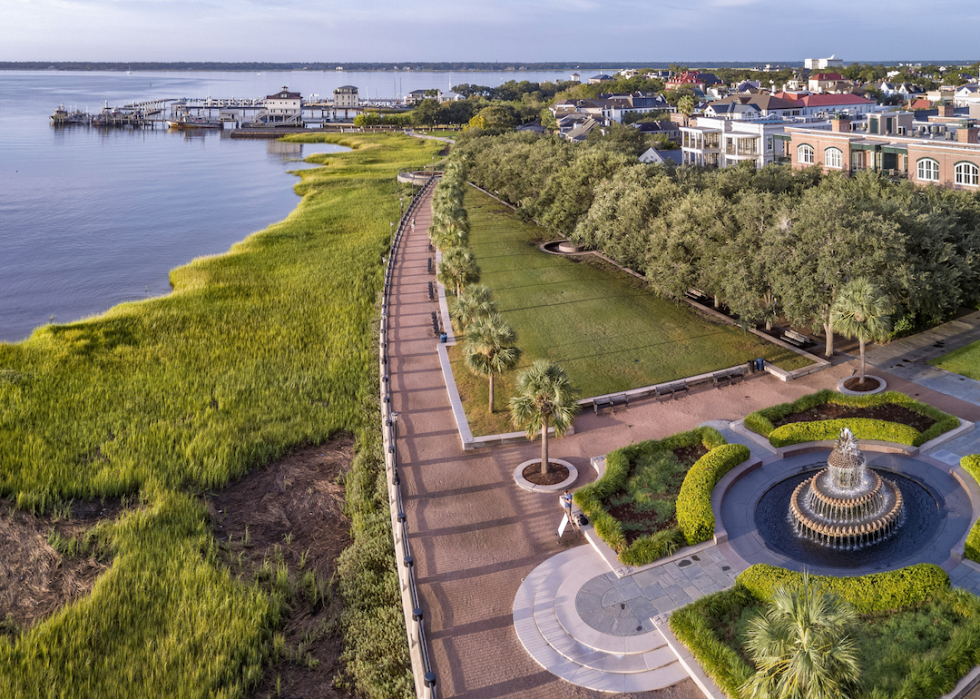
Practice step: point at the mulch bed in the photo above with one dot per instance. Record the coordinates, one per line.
(626, 513)
(556, 474)
(855, 384)
(889, 412)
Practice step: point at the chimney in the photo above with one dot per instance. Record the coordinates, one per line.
(945, 110)
(838, 124)
(967, 134)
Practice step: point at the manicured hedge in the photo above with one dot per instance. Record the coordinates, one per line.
(645, 549)
(762, 421)
(876, 592)
(862, 427)
(694, 514)
(692, 626)
(971, 464)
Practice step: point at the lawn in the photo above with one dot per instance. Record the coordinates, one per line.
(914, 651)
(965, 361)
(256, 353)
(602, 325)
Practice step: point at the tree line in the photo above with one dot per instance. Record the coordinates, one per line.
(763, 242)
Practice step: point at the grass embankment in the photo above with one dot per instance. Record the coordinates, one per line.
(255, 353)
(964, 361)
(600, 324)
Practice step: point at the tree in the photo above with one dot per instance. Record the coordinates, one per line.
(545, 398)
(426, 112)
(686, 105)
(802, 646)
(475, 302)
(863, 311)
(490, 349)
(458, 269)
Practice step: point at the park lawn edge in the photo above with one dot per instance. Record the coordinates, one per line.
(267, 398)
(963, 361)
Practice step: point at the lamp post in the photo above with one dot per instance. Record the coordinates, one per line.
(401, 207)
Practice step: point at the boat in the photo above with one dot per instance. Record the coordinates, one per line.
(189, 121)
(62, 117)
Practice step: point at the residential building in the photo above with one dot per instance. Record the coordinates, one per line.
(944, 151)
(282, 107)
(669, 129)
(416, 96)
(827, 105)
(607, 108)
(652, 156)
(822, 63)
(726, 142)
(345, 97)
(575, 78)
(747, 106)
(821, 82)
(966, 95)
(692, 80)
(600, 78)
(582, 131)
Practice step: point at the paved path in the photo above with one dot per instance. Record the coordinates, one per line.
(476, 535)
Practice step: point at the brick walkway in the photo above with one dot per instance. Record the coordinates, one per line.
(476, 535)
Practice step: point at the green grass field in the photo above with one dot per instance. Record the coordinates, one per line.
(254, 354)
(602, 325)
(965, 361)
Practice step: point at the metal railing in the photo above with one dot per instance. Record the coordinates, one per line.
(425, 677)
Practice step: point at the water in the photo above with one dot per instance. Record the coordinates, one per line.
(90, 218)
(924, 512)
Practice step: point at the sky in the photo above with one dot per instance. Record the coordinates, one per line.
(683, 31)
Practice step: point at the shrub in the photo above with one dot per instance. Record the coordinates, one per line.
(692, 627)
(618, 465)
(863, 428)
(694, 514)
(876, 592)
(762, 421)
(971, 464)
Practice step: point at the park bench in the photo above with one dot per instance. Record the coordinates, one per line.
(696, 295)
(432, 292)
(728, 377)
(671, 389)
(429, 266)
(610, 403)
(436, 330)
(794, 338)
(431, 248)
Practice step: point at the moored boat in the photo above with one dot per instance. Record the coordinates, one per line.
(189, 121)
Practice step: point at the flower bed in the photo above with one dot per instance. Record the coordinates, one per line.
(656, 495)
(889, 417)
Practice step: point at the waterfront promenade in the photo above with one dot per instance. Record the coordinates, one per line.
(476, 535)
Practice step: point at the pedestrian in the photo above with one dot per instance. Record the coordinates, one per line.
(566, 503)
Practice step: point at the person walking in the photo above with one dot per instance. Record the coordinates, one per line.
(566, 505)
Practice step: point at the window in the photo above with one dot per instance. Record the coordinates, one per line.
(927, 170)
(769, 143)
(805, 155)
(967, 173)
(832, 157)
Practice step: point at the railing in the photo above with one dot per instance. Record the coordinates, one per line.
(425, 677)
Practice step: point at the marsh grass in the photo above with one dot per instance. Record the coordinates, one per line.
(254, 354)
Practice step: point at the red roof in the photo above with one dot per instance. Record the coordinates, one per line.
(921, 104)
(827, 76)
(832, 100)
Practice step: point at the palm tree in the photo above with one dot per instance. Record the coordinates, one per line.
(802, 646)
(450, 228)
(862, 311)
(474, 302)
(458, 269)
(545, 398)
(489, 348)
(686, 105)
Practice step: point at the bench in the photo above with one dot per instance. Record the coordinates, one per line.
(696, 295)
(671, 389)
(432, 292)
(436, 330)
(795, 338)
(728, 377)
(431, 248)
(429, 266)
(610, 402)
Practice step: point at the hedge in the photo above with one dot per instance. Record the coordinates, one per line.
(692, 627)
(862, 427)
(762, 421)
(971, 464)
(694, 514)
(645, 549)
(877, 592)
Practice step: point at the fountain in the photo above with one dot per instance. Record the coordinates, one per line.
(847, 505)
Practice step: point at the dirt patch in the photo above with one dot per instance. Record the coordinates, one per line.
(290, 516)
(889, 412)
(556, 473)
(640, 522)
(856, 384)
(36, 579)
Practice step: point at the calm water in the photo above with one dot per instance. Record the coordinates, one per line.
(90, 218)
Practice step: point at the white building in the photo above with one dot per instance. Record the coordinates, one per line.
(283, 107)
(821, 63)
(345, 97)
(726, 142)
